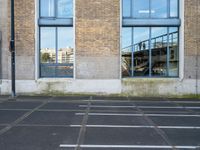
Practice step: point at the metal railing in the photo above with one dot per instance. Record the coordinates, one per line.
(144, 45)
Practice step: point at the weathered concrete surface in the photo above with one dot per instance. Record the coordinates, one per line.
(97, 39)
(159, 87)
(64, 86)
(4, 29)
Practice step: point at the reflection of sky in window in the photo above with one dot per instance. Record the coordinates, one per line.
(126, 8)
(173, 8)
(47, 8)
(158, 31)
(65, 37)
(159, 9)
(65, 8)
(47, 37)
(126, 37)
(140, 34)
(141, 8)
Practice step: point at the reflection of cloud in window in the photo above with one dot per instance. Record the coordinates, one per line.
(65, 7)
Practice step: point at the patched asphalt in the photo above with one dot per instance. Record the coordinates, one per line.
(99, 123)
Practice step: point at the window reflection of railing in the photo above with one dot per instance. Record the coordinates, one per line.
(135, 58)
(143, 45)
(56, 70)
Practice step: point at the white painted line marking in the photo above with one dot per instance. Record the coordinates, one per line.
(129, 146)
(112, 126)
(128, 126)
(151, 115)
(66, 145)
(101, 106)
(169, 107)
(150, 107)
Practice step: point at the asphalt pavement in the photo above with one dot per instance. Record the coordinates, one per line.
(99, 123)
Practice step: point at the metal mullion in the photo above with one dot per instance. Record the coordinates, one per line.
(132, 52)
(168, 52)
(131, 13)
(55, 9)
(150, 52)
(168, 9)
(178, 8)
(40, 51)
(150, 8)
(56, 50)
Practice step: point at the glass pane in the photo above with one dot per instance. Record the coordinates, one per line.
(47, 8)
(65, 51)
(64, 70)
(141, 51)
(126, 51)
(47, 45)
(173, 52)
(173, 8)
(47, 70)
(159, 8)
(141, 8)
(126, 8)
(65, 9)
(56, 70)
(159, 51)
(65, 45)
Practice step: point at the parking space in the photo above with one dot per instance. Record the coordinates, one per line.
(53, 123)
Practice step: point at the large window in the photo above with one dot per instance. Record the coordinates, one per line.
(149, 45)
(150, 8)
(56, 38)
(56, 8)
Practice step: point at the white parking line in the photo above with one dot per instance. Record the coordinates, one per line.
(150, 115)
(129, 146)
(150, 107)
(169, 107)
(101, 106)
(141, 126)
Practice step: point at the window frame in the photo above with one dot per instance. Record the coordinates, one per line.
(131, 22)
(55, 23)
(150, 8)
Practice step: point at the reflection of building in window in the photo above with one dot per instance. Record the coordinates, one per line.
(65, 55)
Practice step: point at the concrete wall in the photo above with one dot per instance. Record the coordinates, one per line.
(97, 39)
(4, 29)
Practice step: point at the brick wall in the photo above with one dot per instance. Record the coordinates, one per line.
(25, 38)
(192, 39)
(97, 39)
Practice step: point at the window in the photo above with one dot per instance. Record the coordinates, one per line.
(150, 8)
(150, 47)
(56, 38)
(56, 8)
